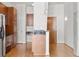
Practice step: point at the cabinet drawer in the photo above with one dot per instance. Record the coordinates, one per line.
(9, 40)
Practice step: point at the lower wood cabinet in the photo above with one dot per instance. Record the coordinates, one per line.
(9, 40)
(38, 45)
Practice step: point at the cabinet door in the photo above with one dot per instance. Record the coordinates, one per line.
(11, 23)
(3, 9)
(10, 20)
(29, 20)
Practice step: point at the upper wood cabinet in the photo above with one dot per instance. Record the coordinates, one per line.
(3, 9)
(11, 18)
(29, 20)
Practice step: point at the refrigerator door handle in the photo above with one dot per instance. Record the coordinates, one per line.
(2, 29)
(2, 33)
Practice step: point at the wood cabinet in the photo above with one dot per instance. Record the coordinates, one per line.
(10, 20)
(3, 9)
(29, 20)
(11, 28)
(38, 45)
(10, 25)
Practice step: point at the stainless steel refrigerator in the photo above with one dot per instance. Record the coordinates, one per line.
(2, 35)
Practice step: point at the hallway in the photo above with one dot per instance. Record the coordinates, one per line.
(59, 50)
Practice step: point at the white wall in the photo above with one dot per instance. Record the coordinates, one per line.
(40, 16)
(68, 27)
(77, 29)
(21, 23)
(57, 10)
(51, 10)
(29, 9)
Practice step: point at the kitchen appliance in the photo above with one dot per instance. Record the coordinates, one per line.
(2, 35)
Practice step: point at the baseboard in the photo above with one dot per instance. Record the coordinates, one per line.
(59, 43)
(69, 46)
(21, 42)
(24, 42)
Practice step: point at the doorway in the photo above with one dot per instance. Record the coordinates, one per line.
(29, 32)
(29, 27)
(51, 27)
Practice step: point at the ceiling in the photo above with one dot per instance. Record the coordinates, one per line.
(54, 3)
(29, 3)
(14, 3)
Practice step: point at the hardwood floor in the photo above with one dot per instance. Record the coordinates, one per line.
(56, 50)
(21, 50)
(61, 50)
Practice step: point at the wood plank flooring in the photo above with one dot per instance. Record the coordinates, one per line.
(21, 50)
(56, 50)
(61, 50)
